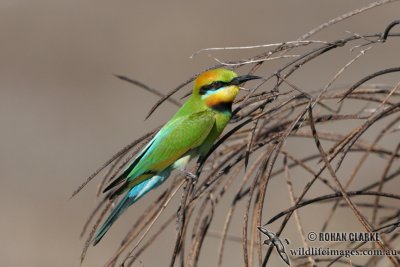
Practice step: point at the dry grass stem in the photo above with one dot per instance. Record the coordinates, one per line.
(339, 130)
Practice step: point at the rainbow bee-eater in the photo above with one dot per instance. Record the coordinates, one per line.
(190, 133)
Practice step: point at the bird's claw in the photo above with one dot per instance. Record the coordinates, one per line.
(189, 175)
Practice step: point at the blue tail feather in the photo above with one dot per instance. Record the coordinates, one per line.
(116, 212)
(130, 197)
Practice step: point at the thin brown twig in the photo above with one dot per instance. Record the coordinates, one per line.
(265, 120)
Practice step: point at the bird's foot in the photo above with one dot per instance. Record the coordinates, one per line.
(190, 176)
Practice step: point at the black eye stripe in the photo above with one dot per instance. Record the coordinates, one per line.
(212, 87)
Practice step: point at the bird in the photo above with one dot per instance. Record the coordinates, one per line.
(190, 133)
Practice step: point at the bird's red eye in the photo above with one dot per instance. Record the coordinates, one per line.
(212, 87)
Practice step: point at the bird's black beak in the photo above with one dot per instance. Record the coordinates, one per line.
(242, 79)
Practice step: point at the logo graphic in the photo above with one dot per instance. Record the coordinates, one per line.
(274, 240)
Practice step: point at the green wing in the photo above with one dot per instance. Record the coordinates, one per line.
(173, 141)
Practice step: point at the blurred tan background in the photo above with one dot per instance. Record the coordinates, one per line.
(63, 114)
